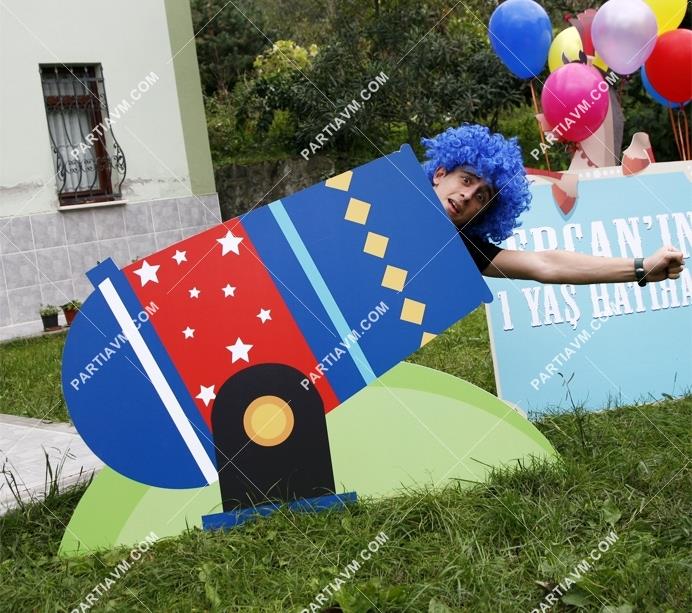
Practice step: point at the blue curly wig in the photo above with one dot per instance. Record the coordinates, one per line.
(494, 158)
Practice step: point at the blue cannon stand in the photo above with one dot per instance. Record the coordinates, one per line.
(233, 519)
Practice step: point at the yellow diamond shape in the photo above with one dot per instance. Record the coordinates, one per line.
(341, 181)
(394, 278)
(357, 211)
(375, 244)
(412, 311)
(427, 337)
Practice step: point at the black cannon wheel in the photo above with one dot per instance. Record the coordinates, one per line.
(271, 438)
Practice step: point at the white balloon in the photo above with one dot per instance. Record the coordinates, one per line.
(624, 33)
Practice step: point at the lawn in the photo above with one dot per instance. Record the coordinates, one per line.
(499, 546)
(30, 377)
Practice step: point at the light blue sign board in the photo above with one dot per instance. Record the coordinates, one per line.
(605, 344)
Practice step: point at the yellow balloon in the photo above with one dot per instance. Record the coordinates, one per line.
(568, 42)
(669, 13)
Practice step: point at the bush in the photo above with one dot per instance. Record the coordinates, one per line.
(47, 310)
(521, 122)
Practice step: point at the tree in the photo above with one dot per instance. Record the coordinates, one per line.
(439, 63)
(227, 42)
(306, 22)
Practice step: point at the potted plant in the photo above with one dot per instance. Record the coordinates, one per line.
(49, 315)
(70, 309)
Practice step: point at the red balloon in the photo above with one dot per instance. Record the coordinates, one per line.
(669, 66)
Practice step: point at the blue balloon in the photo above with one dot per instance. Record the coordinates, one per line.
(520, 34)
(654, 94)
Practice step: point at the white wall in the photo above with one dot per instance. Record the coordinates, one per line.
(129, 39)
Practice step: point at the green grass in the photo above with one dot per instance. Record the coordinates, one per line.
(494, 547)
(484, 549)
(30, 377)
(463, 351)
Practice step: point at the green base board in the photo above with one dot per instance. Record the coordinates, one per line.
(412, 427)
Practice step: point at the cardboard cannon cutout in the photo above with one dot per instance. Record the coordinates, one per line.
(229, 355)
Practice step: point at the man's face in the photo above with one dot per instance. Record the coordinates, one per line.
(464, 195)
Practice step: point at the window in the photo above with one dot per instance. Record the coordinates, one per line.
(89, 163)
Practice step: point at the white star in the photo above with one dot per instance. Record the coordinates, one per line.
(180, 256)
(206, 394)
(229, 243)
(240, 351)
(194, 292)
(264, 314)
(147, 273)
(189, 332)
(228, 290)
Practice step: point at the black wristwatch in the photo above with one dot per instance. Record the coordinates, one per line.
(639, 271)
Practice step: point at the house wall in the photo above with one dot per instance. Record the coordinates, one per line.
(168, 191)
(189, 88)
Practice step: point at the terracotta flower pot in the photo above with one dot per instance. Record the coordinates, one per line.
(70, 315)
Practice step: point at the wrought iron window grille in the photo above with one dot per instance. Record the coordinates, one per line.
(90, 165)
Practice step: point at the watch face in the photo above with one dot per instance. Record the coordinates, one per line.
(639, 271)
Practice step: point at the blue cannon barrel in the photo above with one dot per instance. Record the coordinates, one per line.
(378, 234)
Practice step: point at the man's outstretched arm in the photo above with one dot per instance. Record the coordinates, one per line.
(580, 269)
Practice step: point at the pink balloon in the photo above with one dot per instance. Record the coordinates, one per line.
(575, 101)
(624, 34)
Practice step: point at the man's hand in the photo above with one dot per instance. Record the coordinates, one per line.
(555, 266)
(666, 263)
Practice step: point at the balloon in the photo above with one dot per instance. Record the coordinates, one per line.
(670, 66)
(669, 13)
(520, 34)
(653, 93)
(568, 44)
(575, 101)
(624, 34)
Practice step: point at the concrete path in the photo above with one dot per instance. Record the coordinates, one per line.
(22, 444)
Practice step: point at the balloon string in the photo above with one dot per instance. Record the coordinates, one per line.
(683, 134)
(676, 136)
(686, 132)
(540, 128)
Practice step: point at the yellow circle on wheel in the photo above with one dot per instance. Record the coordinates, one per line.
(268, 420)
